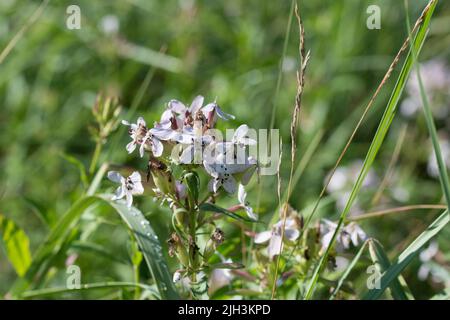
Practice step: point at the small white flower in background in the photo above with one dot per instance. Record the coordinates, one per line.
(222, 174)
(109, 24)
(425, 257)
(273, 236)
(242, 196)
(342, 182)
(129, 186)
(351, 233)
(435, 76)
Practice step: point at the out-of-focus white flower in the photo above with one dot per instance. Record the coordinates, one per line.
(343, 180)
(273, 236)
(436, 80)
(425, 257)
(242, 197)
(109, 24)
(432, 166)
(129, 186)
(351, 233)
(220, 278)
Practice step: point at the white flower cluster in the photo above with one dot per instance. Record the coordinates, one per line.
(186, 132)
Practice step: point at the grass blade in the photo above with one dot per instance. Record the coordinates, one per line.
(407, 255)
(381, 260)
(382, 130)
(150, 246)
(17, 245)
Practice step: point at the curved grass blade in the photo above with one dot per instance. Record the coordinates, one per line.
(87, 287)
(17, 245)
(382, 130)
(379, 257)
(407, 255)
(150, 246)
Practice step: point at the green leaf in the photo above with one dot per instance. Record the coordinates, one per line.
(150, 246)
(17, 245)
(382, 262)
(377, 141)
(214, 208)
(408, 255)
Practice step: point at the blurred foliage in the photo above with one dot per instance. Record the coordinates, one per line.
(231, 50)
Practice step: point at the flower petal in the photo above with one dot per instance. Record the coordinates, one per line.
(157, 147)
(240, 133)
(187, 154)
(196, 104)
(223, 115)
(129, 197)
(137, 188)
(114, 176)
(119, 193)
(135, 177)
(252, 215)
(275, 246)
(131, 146)
(141, 122)
(177, 106)
(291, 234)
(242, 194)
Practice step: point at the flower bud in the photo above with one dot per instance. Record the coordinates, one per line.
(162, 177)
(180, 214)
(177, 248)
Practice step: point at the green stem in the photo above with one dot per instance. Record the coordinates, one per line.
(98, 148)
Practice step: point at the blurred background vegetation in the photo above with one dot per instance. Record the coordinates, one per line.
(147, 52)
